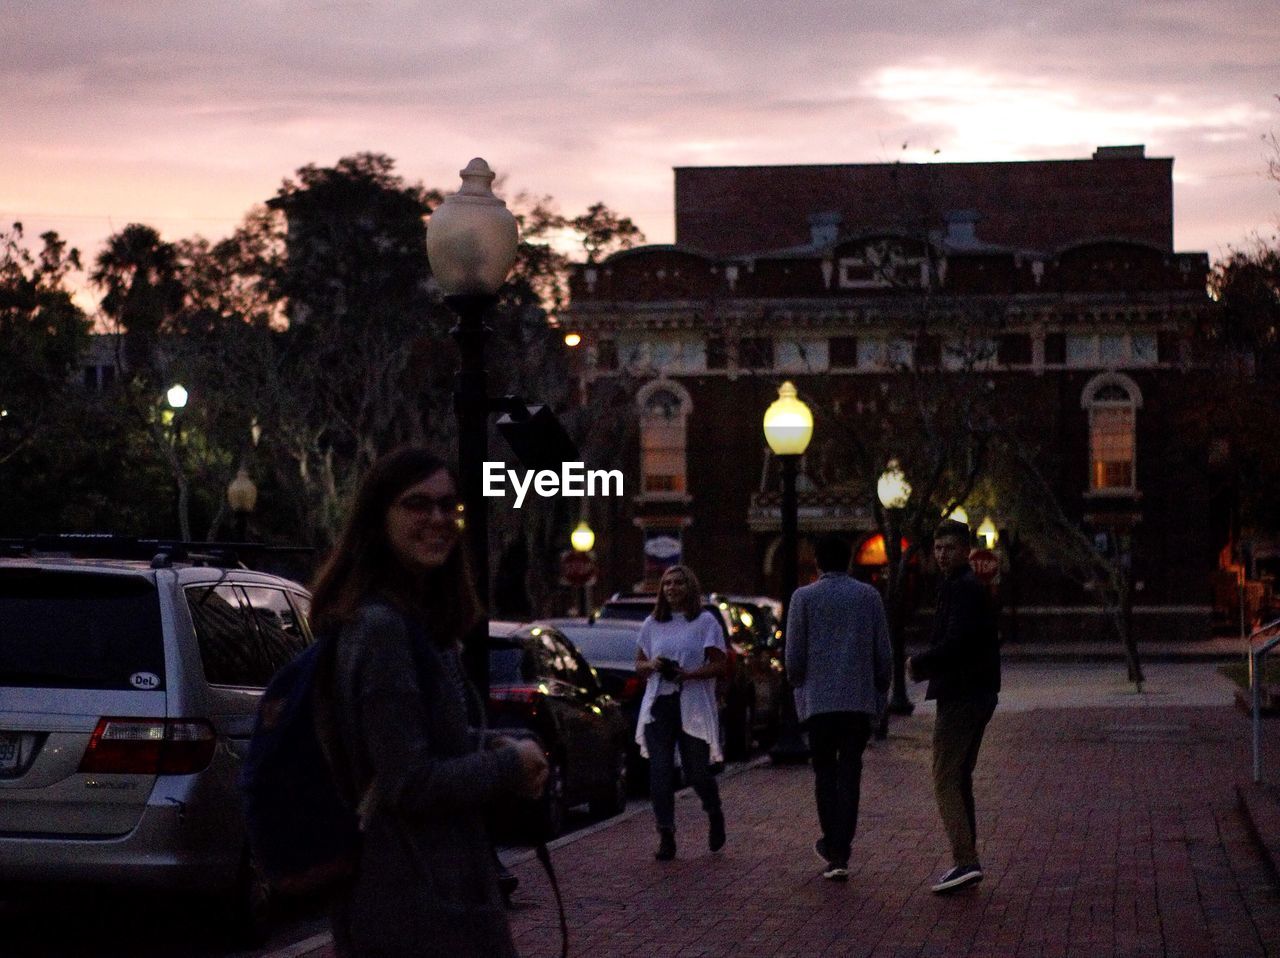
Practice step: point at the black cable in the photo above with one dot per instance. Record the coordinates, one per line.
(544, 856)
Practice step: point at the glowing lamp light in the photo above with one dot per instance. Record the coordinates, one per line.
(788, 423)
(472, 236)
(242, 494)
(582, 537)
(893, 488)
(959, 515)
(572, 339)
(987, 533)
(176, 396)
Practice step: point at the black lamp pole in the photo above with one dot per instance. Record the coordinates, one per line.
(471, 403)
(790, 746)
(900, 703)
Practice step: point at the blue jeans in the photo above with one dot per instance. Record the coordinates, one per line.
(662, 735)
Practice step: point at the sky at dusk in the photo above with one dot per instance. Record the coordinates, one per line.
(184, 114)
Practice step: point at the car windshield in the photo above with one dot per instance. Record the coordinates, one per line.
(603, 645)
(79, 631)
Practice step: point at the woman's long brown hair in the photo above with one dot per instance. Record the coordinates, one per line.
(362, 565)
(693, 596)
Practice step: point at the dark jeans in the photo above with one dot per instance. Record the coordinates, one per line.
(957, 737)
(836, 742)
(662, 735)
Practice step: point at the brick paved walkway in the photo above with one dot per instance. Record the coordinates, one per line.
(1104, 832)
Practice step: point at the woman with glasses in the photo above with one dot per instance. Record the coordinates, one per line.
(407, 729)
(681, 654)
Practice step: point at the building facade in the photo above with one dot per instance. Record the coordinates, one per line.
(1053, 284)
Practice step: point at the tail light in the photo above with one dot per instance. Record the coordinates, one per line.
(133, 746)
(632, 688)
(514, 698)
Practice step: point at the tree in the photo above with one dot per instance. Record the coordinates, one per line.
(42, 336)
(138, 274)
(67, 459)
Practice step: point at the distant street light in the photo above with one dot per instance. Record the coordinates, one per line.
(894, 492)
(582, 537)
(788, 427)
(176, 396)
(583, 541)
(987, 533)
(471, 244)
(959, 515)
(242, 496)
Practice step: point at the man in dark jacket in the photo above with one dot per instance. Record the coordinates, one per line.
(963, 669)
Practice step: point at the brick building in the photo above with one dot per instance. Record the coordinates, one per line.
(820, 275)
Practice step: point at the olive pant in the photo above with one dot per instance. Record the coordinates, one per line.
(957, 737)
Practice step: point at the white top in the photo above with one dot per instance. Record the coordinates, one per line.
(685, 642)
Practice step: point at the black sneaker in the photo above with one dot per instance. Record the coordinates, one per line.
(959, 876)
(666, 845)
(834, 871)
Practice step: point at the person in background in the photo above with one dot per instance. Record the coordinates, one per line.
(962, 666)
(838, 663)
(407, 728)
(681, 654)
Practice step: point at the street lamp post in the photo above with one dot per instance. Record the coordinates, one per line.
(788, 427)
(242, 496)
(471, 244)
(583, 541)
(894, 491)
(176, 396)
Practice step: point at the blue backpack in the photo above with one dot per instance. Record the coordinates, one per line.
(303, 831)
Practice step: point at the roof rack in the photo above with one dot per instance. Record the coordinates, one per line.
(161, 553)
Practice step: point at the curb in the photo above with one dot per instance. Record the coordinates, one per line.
(315, 943)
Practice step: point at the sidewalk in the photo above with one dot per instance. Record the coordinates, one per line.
(1105, 831)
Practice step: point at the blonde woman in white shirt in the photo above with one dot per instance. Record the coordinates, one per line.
(681, 655)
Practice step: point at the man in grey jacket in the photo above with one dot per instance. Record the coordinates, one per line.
(838, 662)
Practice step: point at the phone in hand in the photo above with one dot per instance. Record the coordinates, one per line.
(669, 669)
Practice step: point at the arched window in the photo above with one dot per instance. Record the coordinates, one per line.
(1112, 401)
(664, 411)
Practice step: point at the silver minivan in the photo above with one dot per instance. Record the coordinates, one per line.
(128, 692)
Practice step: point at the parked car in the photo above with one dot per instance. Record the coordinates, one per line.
(540, 683)
(739, 720)
(128, 692)
(610, 648)
(758, 634)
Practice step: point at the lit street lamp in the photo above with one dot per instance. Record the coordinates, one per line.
(242, 496)
(471, 244)
(583, 541)
(176, 396)
(788, 427)
(987, 534)
(894, 491)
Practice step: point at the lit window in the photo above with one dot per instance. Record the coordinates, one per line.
(1112, 401)
(664, 411)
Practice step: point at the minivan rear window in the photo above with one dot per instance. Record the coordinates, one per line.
(75, 630)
